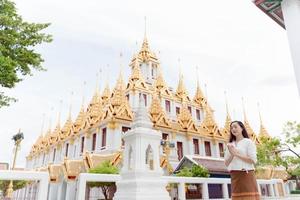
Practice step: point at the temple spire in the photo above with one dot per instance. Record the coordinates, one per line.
(181, 90)
(228, 118)
(262, 132)
(43, 123)
(249, 130)
(145, 28)
(70, 108)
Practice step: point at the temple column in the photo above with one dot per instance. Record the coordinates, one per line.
(225, 190)
(205, 194)
(271, 189)
(181, 191)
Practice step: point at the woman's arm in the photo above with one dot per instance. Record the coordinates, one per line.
(228, 160)
(251, 153)
(228, 155)
(244, 158)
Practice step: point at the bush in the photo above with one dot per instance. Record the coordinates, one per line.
(295, 192)
(194, 171)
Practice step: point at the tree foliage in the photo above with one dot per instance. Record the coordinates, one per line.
(17, 41)
(292, 133)
(18, 184)
(194, 171)
(267, 152)
(104, 168)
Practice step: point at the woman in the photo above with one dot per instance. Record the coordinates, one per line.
(240, 157)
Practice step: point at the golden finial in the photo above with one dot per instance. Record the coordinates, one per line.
(59, 112)
(70, 108)
(145, 30)
(228, 118)
(244, 110)
(43, 123)
(206, 94)
(259, 113)
(83, 94)
(226, 101)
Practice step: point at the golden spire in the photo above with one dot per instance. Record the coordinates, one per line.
(106, 92)
(263, 131)
(181, 91)
(199, 97)
(250, 131)
(209, 126)
(118, 96)
(228, 118)
(160, 82)
(96, 97)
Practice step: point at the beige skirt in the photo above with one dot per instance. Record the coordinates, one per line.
(244, 186)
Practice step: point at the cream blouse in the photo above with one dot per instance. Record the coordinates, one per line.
(246, 147)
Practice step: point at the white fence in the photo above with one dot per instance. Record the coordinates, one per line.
(182, 181)
(41, 177)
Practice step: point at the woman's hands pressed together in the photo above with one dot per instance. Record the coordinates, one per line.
(233, 151)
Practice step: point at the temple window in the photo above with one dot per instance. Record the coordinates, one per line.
(198, 114)
(196, 146)
(103, 143)
(168, 106)
(82, 145)
(94, 142)
(221, 149)
(207, 148)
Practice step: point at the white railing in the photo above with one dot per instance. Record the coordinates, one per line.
(182, 181)
(88, 177)
(42, 177)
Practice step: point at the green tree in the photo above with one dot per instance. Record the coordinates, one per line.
(104, 168)
(18, 184)
(267, 152)
(17, 41)
(194, 171)
(292, 134)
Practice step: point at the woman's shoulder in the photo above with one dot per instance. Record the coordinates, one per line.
(248, 140)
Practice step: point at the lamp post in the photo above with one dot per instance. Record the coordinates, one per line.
(17, 139)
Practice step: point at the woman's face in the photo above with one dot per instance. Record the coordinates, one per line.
(235, 129)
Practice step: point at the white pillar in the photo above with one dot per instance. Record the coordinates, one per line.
(81, 187)
(205, 194)
(291, 14)
(181, 191)
(271, 188)
(70, 191)
(258, 188)
(276, 190)
(225, 191)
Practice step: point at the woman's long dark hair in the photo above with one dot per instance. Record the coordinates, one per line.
(244, 131)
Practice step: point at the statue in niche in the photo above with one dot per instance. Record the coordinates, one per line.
(149, 158)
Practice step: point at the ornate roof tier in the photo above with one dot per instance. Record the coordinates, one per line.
(157, 114)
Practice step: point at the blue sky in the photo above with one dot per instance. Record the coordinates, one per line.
(236, 47)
